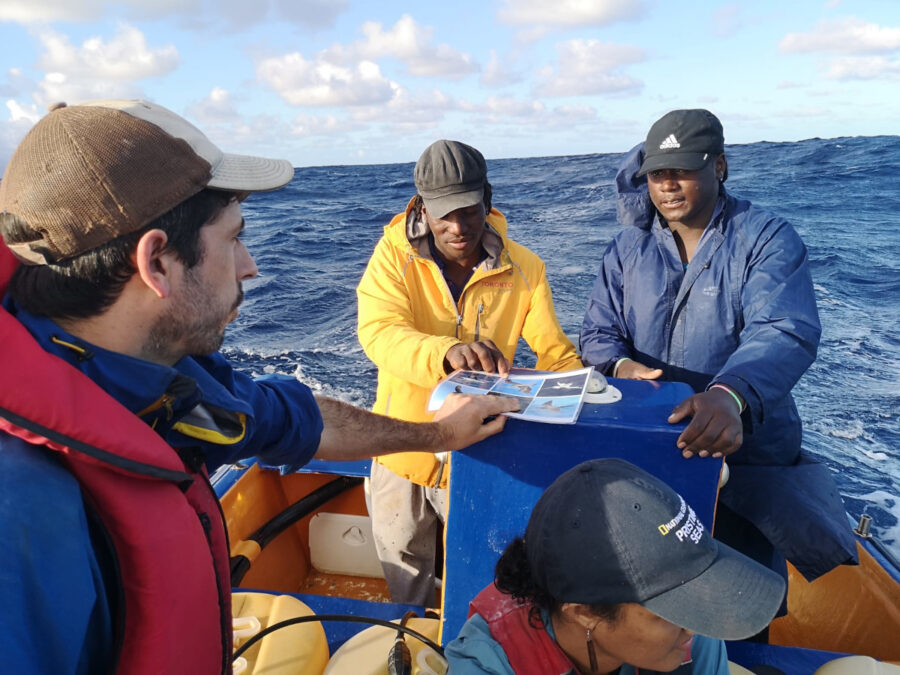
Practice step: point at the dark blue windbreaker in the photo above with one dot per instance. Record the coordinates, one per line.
(744, 314)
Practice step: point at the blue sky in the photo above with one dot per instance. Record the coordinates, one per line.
(346, 82)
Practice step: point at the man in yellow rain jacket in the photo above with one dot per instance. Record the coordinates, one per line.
(444, 289)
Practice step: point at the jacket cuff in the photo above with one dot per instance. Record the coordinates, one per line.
(746, 392)
(601, 365)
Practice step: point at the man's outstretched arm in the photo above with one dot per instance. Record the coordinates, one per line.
(352, 433)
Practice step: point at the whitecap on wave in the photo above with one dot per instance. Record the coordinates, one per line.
(850, 432)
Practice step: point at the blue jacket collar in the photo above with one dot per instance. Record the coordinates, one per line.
(160, 395)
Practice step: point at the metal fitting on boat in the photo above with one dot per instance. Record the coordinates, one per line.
(864, 525)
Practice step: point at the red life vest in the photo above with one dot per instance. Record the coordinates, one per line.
(530, 650)
(162, 518)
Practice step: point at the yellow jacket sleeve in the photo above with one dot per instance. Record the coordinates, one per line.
(387, 324)
(543, 333)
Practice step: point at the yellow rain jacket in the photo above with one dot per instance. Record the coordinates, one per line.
(408, 320)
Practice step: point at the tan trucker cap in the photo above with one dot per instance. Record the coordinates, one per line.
(88, 173)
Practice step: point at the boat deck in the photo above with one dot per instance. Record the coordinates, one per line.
(362, 588)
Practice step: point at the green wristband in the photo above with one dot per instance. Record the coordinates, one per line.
(733, 395)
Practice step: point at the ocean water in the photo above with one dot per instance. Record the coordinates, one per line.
(312, 241)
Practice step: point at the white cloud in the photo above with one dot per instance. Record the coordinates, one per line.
(312, 13)
(314, 125)
(507, 106)
(12, 131)
(410, 43)
(98, 68)
(239, 14)
(531, 34)
(586, 67)
(16, 84)
(575, 113)
(28, 11)
(17, 112)
(217, 107)
(848, 36)
(867, 48)
(863, 68)
(321, 83)
(47, 11)
(59, 87)
(262, 135)
(349, 75)
(196, 13)
(517, 114)
(124, 58)
(410, 112)
(498, 74)
(569, 12)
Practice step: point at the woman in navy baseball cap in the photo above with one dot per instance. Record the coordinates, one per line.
(615, 574)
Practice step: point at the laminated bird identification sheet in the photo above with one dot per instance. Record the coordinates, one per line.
(543, 396)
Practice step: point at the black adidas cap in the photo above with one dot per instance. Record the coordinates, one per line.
(683, 139)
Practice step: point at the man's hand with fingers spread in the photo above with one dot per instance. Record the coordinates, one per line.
(465, 420)
(483, 355)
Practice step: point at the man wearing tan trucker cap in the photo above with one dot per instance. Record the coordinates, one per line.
(122, 267)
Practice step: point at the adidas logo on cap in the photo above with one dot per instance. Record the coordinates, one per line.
(670, 143)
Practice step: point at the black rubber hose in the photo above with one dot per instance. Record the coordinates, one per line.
(293, 513)
(334, 617)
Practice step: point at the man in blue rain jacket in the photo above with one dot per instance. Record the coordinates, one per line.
(704, 288)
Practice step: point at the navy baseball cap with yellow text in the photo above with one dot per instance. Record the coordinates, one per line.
(608, 532)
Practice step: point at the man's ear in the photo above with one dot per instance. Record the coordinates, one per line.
(154, 263)
(721, 168)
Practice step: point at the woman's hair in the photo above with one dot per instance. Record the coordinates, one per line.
(513, 576)
(86, 285)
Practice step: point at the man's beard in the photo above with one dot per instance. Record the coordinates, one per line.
(194, 324)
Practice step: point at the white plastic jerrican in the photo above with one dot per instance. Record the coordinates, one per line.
(429, 662)
(245, 626)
